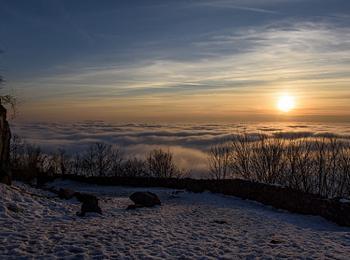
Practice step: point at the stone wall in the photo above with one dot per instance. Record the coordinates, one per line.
(276, 196)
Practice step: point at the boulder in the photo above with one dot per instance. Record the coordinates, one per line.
(14, 208)
(275, 242)
(145, 199)
(66, 194)
(89, 203)
(219, 221)
(5, 179)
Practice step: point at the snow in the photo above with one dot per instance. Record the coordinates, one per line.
(187, 225)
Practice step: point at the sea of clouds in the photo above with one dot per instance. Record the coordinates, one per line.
(188, 142)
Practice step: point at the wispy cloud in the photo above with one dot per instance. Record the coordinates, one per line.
(288, 50)
(237, 5)
(305, 57)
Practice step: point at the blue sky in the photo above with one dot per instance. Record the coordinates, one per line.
(175, 59)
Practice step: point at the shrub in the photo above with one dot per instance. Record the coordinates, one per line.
(313, 165)
(219, 161)
(160, 164)
(134, 167)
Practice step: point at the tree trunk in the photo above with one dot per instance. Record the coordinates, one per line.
(5, 136)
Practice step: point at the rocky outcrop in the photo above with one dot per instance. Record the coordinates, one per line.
(5, 136)
(89, 203)
(144, 199)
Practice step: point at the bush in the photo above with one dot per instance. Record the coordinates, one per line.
(219, 161)
(313, 165)
(100, 160)
(160, 164)
(134, 167)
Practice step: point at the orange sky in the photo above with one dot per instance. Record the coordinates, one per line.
(178, 61)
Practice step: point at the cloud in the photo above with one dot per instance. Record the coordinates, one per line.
(237, 5)
(188, 142)
(286, 52)
(188, 159)
(293, 135)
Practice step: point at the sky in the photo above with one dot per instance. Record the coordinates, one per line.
(177, 61)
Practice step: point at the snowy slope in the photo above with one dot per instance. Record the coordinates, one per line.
(206, 226)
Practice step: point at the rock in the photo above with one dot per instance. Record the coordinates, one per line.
(5, 136)
(275, 242)
(66, 193)
(5, 179)
(221, 222)
(145, 199)
(89, 203)
(14, 208)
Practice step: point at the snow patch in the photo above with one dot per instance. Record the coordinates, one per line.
(187, 225)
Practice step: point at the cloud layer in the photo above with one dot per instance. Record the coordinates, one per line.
(189, 143)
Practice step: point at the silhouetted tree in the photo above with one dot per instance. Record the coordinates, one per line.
(17, 150)
(134, 167)
(7, 99)
(160, 164)
(313, 165)
(220, 161)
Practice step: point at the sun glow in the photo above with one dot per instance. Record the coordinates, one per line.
(285, 103)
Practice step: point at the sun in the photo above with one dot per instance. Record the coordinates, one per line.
(286, 103)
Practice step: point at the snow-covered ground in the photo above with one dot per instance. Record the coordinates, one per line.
(187, 225)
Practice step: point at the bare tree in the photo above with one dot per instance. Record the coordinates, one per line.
(116, 160)
(160, 164)
(64, 162)
(17, 151)
(267, 159)
(77, 165)
(241, 150)
(219, 161)
(103, 159)
(7, 99)
(298, 165)
(134, 167)
(314, 165)
(343, 187)
(97, 160)
(59, 163)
